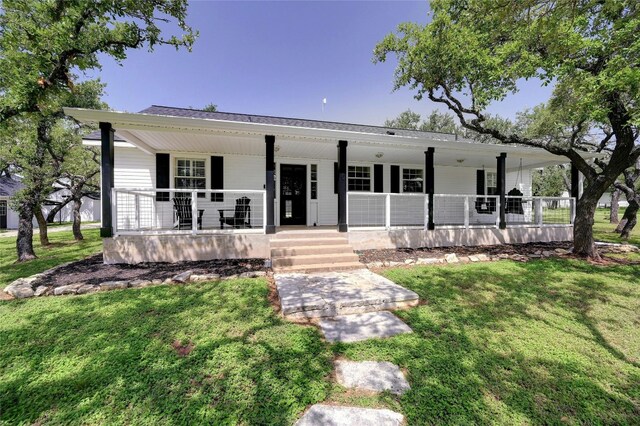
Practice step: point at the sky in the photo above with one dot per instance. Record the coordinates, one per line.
(281, 59)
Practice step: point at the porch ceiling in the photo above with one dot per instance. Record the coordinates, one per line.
(154, 133)
(456, 154)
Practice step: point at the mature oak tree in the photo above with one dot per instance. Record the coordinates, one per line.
(42, 44)
(474, 52)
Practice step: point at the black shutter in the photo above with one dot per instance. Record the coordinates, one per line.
(162, 176)
(395, 179)
(217, 178)
(377, 178)
(480, 182)
(335, 178)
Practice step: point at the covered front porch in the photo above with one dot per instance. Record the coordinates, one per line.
(235, 183)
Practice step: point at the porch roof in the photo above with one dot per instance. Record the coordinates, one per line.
(160, 129)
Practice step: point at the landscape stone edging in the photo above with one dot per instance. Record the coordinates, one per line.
(22, 288)
(473, 258)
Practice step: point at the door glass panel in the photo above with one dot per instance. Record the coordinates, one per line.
(288, 213)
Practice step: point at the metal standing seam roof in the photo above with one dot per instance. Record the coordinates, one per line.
(9, 186)
(278, 121)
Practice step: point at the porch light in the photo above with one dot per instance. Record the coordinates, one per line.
(379, 154)
(276, 148)
(460, 160)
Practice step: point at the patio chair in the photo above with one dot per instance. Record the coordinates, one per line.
(241, 214)
(182, 206)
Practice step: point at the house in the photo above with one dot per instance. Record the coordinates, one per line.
(90, 210)
(8, 187)
(183, 184)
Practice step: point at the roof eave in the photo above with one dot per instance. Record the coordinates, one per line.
(154, 122)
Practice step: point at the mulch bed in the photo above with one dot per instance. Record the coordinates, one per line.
(92, 271)
(400, 255)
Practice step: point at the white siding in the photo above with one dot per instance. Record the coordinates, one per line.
(134, 168)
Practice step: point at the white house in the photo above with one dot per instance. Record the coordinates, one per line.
(90, 210)
(251, 180)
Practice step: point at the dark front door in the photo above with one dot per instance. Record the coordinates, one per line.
(3, 214)
(293, 194)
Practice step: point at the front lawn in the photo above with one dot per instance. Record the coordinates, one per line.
(63, 249)
(545, 342)
(211, 353)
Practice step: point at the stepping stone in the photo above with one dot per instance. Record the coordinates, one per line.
(332, 415)
(354, 328)
(339, 293)
(371, 376)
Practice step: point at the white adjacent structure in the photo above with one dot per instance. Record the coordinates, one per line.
(183, 184)
(90, 210)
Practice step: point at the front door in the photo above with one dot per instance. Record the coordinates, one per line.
(293, 194)
(3, 214)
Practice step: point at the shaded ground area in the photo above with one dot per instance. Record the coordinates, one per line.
(92, 271)
(549, 341)
(206, 353)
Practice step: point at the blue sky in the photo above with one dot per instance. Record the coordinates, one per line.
(282, 58)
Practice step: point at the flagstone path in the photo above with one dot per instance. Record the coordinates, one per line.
(351, 308)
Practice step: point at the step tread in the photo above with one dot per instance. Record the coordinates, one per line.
(315, 256)
(300, 250)
(319, 267)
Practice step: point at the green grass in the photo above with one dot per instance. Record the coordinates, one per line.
(108, 358)
(603, 230)
(63, 249)
(544, 342)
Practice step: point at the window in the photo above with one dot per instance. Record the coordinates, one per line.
(491, 182)
(3, 207)
(314, 181)
(359, 178)
(412, 180)
(190, 174)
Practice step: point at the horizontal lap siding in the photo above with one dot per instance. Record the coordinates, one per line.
(134, 169)
(327, 200)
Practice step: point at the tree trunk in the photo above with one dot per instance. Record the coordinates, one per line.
(630, 218)
(42, 226)
(24, 242)
(51, 216)
(583, 242)
(615, 205)
(77, 219)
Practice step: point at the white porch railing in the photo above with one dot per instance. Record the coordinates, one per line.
(539, 211)
(205, 211)
(367, 210)
(384, 210)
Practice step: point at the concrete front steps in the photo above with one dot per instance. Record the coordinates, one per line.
(309, 251)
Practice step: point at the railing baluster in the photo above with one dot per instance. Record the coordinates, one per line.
(387, 211)
(194, 212)
(466, 212)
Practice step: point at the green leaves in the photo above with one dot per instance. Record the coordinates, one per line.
(43, 43)
(481, 49)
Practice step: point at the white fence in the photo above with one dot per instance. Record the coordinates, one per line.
(385, 211)
(159, 210)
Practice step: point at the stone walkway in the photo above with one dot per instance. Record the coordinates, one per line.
(358, 327)
(372, 376)
(351, 307)
(339, 293)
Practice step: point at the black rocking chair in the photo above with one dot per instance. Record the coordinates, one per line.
(182, 206)
(241, 214)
